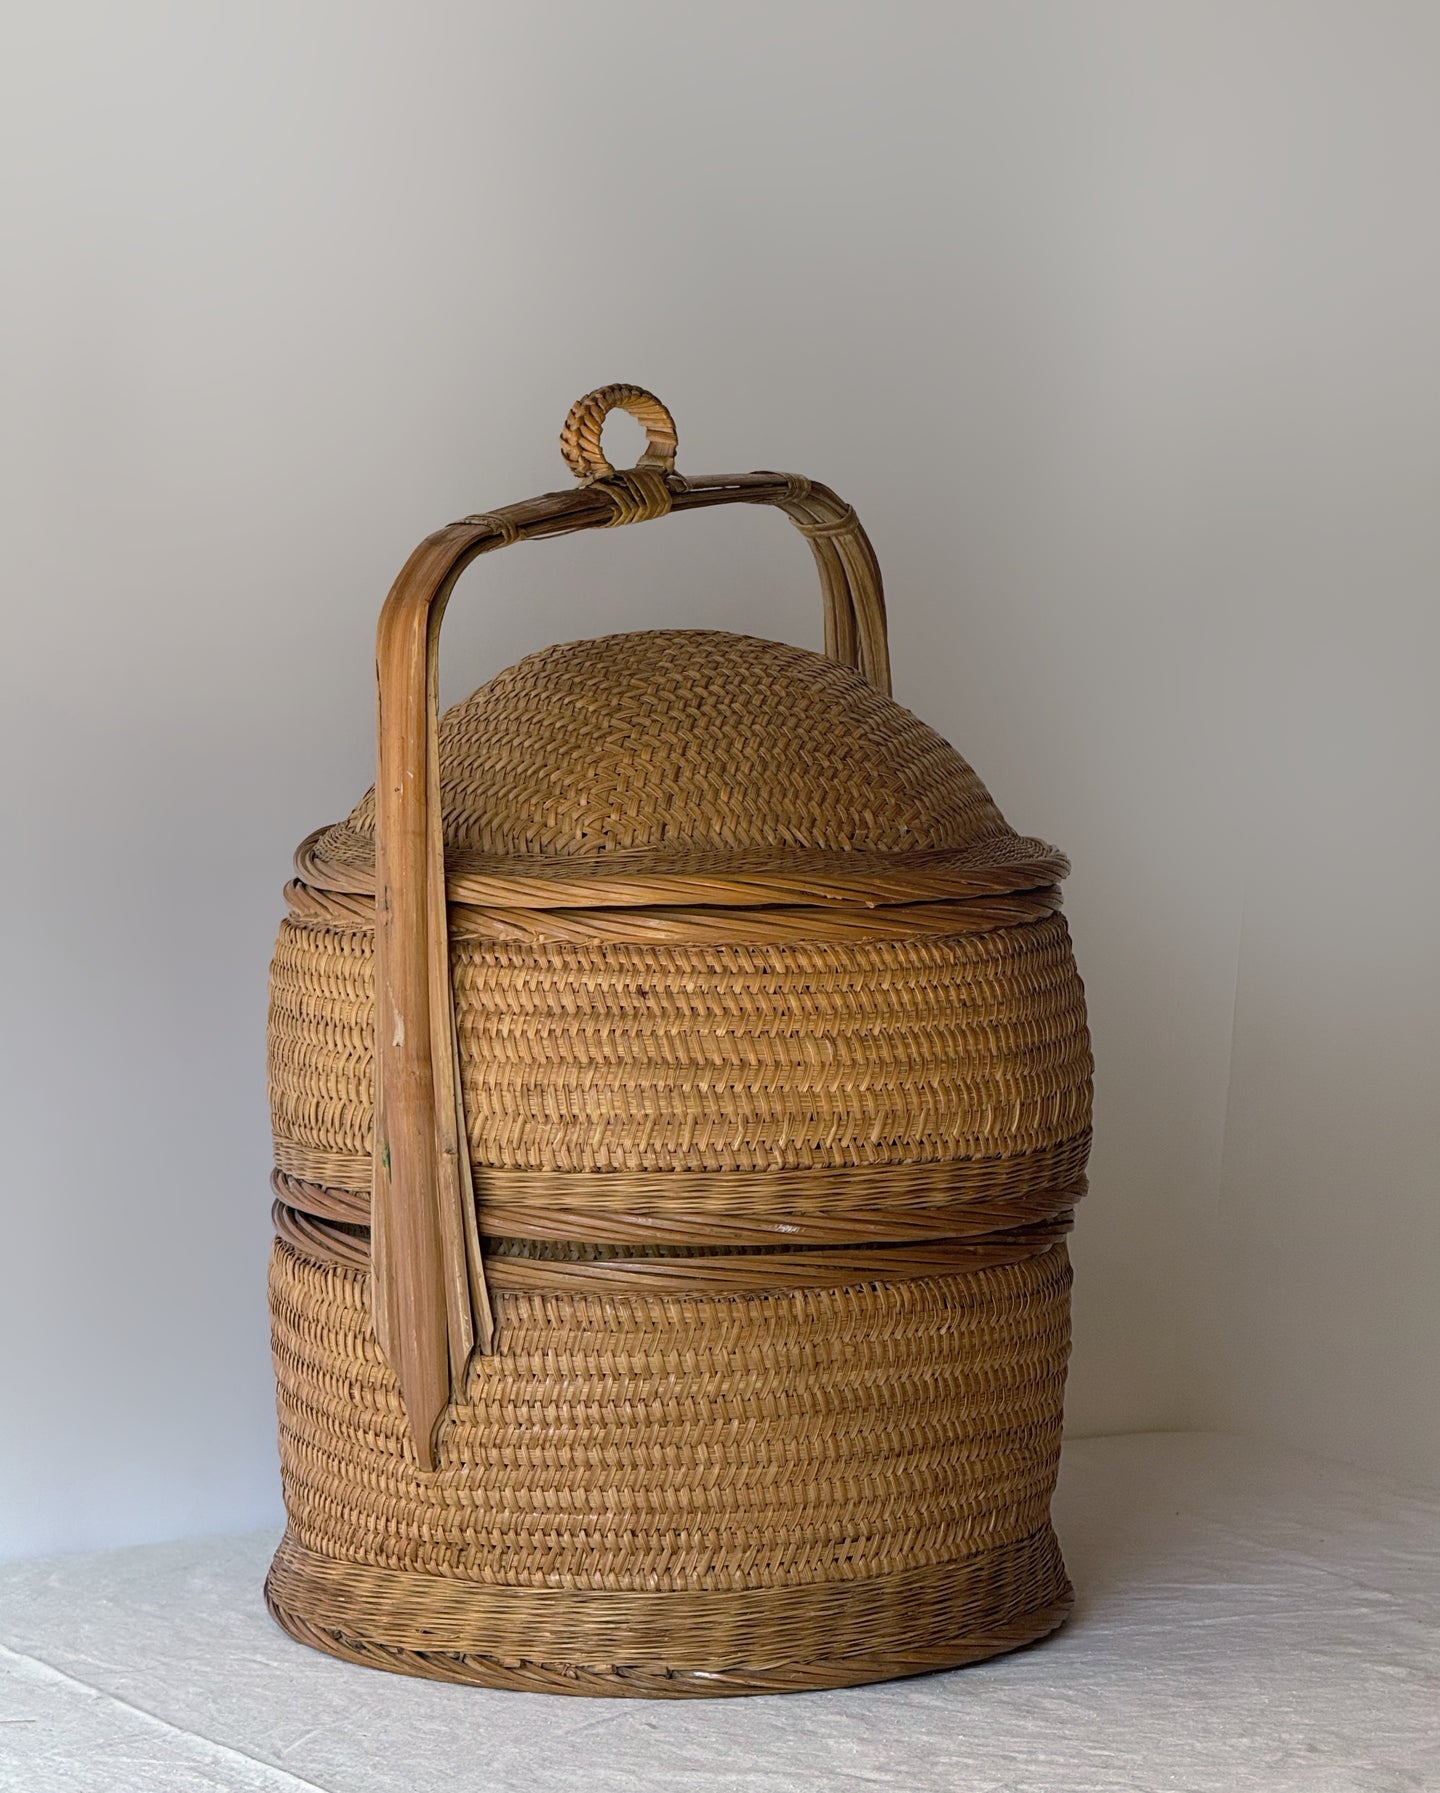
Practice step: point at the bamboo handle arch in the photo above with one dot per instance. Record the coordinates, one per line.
(430, 1302)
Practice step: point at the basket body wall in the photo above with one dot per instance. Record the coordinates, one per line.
(771, 1199)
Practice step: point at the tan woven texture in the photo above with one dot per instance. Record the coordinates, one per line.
(773, 1068)
(605, 1058)
(676, 741)
(789, 1481)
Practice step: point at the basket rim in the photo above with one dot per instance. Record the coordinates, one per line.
(340, 859)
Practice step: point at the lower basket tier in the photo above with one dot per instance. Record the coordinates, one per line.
(665, 1494)
(673, 1645)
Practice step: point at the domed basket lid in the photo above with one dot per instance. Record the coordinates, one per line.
(694, 766)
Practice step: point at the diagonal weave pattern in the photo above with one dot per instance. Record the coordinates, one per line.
(676, 741)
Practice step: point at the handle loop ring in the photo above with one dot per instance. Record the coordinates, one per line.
(580, 438)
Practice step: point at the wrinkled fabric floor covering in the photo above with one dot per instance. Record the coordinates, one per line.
(1247, 1618)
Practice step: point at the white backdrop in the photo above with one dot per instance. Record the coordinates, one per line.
(1116, 322)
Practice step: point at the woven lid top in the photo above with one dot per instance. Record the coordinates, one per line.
(694, 751)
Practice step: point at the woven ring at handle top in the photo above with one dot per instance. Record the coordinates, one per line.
(580, 438)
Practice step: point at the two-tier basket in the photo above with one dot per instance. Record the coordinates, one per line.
(681, 1092)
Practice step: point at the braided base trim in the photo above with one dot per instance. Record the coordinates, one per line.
(913, 1623)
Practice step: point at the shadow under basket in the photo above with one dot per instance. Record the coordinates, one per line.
(671, 1298)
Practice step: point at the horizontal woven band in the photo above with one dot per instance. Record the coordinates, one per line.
(994, 866)
(925, 1617)
(686, 926)
(517, 1264)
(714, 1232)
(770, 1195)
(834, 1214)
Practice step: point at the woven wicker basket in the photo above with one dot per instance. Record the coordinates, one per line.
(681, 1093)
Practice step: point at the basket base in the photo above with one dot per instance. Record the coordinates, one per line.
(679, 1645)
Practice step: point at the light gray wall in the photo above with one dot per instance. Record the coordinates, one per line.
(1116, 321)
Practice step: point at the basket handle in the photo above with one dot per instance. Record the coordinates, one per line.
(429, 1299)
